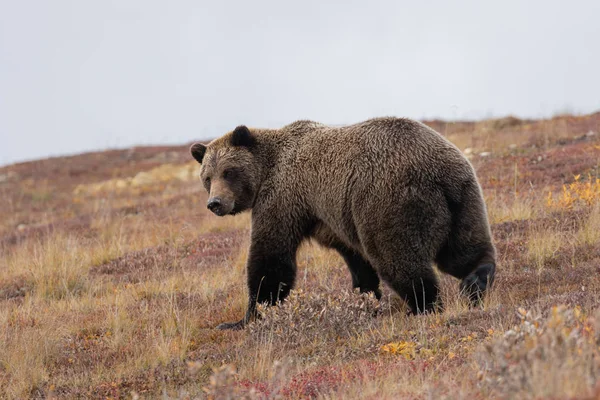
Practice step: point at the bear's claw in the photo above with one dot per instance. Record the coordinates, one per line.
(234, 326)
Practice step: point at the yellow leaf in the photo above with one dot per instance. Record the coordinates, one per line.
(404, 349)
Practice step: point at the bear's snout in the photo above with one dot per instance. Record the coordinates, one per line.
(220, 206)
(215, 205)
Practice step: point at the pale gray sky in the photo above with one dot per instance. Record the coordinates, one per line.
(84, 75)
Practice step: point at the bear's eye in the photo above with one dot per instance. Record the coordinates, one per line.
(207, 182)
(228, 173)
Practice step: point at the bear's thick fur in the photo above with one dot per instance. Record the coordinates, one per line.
(391, 195)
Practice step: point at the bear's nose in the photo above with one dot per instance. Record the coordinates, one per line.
(214, 203)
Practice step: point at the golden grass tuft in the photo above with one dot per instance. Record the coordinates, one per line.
(515, 208)
(542, 246)
(589, 233)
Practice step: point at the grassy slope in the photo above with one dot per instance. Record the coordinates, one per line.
(111, 286)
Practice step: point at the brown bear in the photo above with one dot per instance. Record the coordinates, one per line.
(391, 195)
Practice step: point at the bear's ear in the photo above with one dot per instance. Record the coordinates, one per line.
(198, 150)
(242, 137)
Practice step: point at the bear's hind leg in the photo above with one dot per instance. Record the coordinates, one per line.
(363, 274)
(468, 253)
(400, 239)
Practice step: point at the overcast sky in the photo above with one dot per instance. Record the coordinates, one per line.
(85, 75)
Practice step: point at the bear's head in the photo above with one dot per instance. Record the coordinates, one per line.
(229, 171)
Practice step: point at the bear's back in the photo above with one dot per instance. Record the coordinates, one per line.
(331, 162)
(376, 143)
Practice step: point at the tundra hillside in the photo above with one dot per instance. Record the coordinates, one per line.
(113, 275)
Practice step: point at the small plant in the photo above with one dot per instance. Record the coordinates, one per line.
(553, 357)
(309, 317)
(403, 349)
(578, 193)
(542, 246)
(589, 233)
(222, 384)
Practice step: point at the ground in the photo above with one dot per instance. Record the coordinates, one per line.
(113, 275)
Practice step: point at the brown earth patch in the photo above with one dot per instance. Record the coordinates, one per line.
(206, 251)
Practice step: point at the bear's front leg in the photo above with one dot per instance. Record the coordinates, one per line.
(271, 276)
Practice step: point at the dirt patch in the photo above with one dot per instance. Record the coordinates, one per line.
(14, 288)
(208, 250)
(146, 382)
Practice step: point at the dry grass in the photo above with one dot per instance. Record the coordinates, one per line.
(111, 286)
(543, 246)
(589, 233)
(553, 357)
(513, 208)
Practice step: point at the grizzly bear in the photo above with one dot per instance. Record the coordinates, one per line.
(391, 195)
